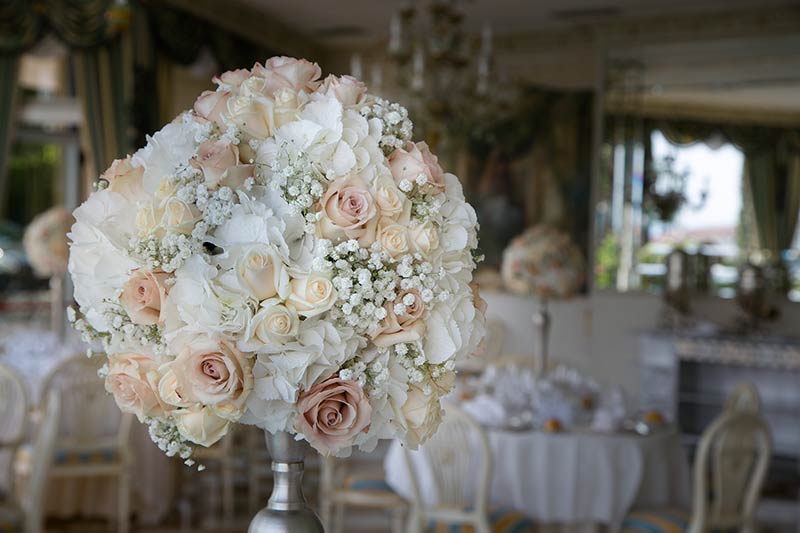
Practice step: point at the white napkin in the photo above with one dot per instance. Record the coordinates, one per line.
(486, 410)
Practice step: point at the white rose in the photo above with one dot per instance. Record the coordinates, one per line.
(393, 238)
(311, 295)
(424, 237)
(419, 416)
(261, 272)
(273, 324)
(200, 425)
(148, 219)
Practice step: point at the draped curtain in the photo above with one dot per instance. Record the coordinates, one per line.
(771, 173)
(92, 28)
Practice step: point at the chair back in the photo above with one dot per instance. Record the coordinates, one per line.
(89, 416)
(13, 414)
(731, 464)
(42, 458)
(460, 460)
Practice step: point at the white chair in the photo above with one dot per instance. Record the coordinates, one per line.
(28, 513)
(13, 420)
(93, 435)
(340, 489)
(460, 459)
(729, 470)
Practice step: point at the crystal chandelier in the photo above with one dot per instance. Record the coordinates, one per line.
(433, 66)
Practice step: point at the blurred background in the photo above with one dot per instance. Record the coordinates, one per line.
(658, 141)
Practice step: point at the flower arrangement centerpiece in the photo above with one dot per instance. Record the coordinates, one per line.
(283, 255)
(543, 262)
(47, 248)
(46, 244)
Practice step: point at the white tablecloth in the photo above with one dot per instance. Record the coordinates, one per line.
(571, 477)
(33, 354)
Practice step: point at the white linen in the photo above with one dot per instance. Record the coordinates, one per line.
(33, 353)
(574, 477)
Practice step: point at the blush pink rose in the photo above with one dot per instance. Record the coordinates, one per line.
(214, 374)
(408, 326)
(232, 78)
(288, 73)
(211, 104)
(348, 212)
(132, 379)
(415, 160)
(332, 414)
(214, 159)
(143, 296)
(124, 178)
(347, 89)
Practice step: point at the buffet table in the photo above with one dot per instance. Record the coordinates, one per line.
(571, 477)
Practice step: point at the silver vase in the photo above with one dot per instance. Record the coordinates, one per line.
(286, 510)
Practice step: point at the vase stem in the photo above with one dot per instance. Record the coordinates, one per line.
(286, 510)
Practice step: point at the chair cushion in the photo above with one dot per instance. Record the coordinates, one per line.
(500, 520)
(367, 484)
(68, 457)
(656, 521)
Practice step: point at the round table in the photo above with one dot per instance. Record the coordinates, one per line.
(571, 477)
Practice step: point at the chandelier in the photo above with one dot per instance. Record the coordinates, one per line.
(434, 67)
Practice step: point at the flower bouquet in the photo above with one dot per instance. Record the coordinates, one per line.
(45, 242)
(544, 262)
(283, 255)
(47, 248)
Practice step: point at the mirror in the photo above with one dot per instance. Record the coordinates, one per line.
(700, 152)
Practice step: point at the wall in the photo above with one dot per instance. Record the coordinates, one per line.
(599, 334)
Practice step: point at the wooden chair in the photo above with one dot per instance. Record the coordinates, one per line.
(460, 458)
(27, 514)
(729, 470)
(93, 435)
(13, 420)
(340, 489)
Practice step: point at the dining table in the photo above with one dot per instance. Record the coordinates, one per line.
(574, 476)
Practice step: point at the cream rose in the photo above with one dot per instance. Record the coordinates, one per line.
(392, 237)
(415, 161)
(211, 104)
(348, 212)
(179, 216)
(214, 374)
(420, 415)
(275, 323)
(124, 178)
(262, 273)
(391, 201)
(311, 295)
(286, 106)
(201, 425)
(347, 89)
(214, 158)
(408, 326)
(144, 296)
(148, 219)
(332, 414)
(253, 115)
(424, 237)
(168, 390)
(132, 379)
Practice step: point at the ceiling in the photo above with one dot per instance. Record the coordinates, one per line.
(348, 22)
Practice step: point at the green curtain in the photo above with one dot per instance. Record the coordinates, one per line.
(102, 89)
(9, 67)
